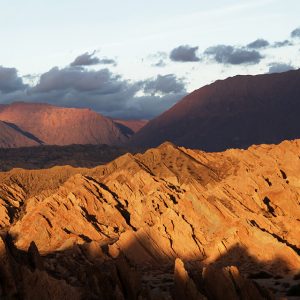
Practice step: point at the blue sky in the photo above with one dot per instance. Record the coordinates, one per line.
(139, 37)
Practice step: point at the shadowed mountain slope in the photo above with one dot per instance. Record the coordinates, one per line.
(133, 125)
(233, 113)
(171, 222)
(12, 137)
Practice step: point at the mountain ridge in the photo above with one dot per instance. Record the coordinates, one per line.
(162, 218)
(232, 113)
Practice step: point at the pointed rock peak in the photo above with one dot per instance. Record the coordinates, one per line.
(165, 148)
(167, 145)
(184, 285)
(123, 159)
(34, 257)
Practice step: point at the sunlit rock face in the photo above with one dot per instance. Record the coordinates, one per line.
(45, 124)
(171, 223)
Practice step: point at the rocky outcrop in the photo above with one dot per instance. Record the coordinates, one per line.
(227, 283)
(185, 287)
(162, 224)
(21, 278)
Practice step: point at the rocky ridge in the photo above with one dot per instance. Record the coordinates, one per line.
(171, 223)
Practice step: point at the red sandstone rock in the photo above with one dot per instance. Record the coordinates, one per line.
(216, 211)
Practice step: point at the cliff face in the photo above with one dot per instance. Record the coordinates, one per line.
(233, 113)
(48, 124)
(171, 222)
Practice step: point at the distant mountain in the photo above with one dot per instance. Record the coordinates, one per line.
(130, 127)
(48, 124)
(236, 112)
(11, 137)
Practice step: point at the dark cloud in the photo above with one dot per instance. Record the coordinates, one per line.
(284, 43)
(279, 67)
(87, 59)
(258, 44)
(232, 55)
(10, 81)
(296, 33)
(78, 79)
(107, 61)
(161, 93)
(184, 53)
(102, 91)
(164, 84)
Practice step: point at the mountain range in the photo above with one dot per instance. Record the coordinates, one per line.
(233, 113)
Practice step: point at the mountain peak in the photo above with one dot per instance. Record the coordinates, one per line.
(232, 113)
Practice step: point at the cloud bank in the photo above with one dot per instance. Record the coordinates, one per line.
(10, 81)
(230, 55)
(296, 33)
(87, 59)
(280, 67)
(101, 90)
(78, 85)
(258, 44)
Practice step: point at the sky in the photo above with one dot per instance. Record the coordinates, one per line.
(134, 59)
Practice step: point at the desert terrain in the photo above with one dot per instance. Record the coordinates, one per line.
(169, 223)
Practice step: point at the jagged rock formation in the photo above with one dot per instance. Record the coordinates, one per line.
(169, 223)
(233, 113)
(52, 125)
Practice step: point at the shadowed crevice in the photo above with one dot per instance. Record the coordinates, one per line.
(25, 133)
